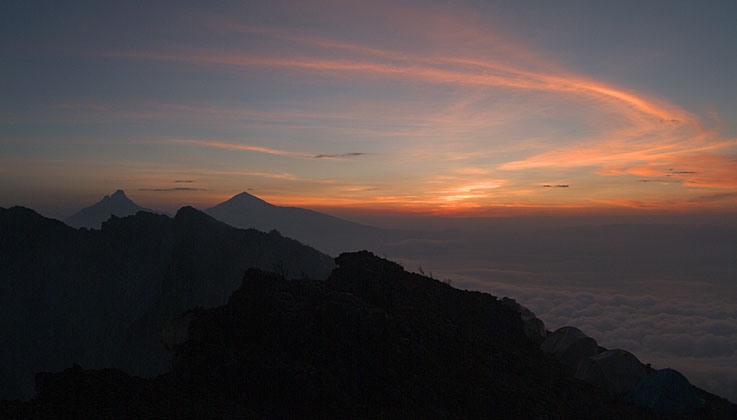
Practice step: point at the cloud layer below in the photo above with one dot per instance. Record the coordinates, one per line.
(664, 292)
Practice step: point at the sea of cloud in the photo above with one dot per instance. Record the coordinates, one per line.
(667, 294)
(696, 335)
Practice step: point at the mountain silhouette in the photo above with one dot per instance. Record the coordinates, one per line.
(117, 204)
(326, 233)
(372, 341)
(101, 297)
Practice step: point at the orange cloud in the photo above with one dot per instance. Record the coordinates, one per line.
(706, 170)
(233, 146)
(717, 201)
(473, 190)
(697, 170)
(692, 170)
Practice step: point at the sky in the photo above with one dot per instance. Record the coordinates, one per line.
(468, 108)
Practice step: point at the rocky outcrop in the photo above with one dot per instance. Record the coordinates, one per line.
(535, 330)
(615, 371)
(534, 327)
(569, 345)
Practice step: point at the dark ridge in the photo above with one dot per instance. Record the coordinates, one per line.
(189, 212)
(100, 297)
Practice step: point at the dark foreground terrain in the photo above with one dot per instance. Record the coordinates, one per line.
(373, 341)
(101, 297)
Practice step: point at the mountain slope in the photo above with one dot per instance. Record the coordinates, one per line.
(101, 297)
(117, 204)
(326, 233)
(373, 341)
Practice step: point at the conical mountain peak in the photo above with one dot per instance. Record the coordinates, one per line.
(327, 233)
(246, 197)
(117, 195)
(117, 204)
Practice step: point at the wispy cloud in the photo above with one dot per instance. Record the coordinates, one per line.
(467, 193)
(216, 144)
(695, 170)
(698, 201)
(339, 156)
(84, 106)
(172, 189)
(708, 198)
(283, 176)
(360, 189)
(445, 70)
(470, 71)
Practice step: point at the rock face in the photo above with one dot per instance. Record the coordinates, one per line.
(117, 204)
(569, 345)
(534, 327)
(372, 341)
(100, 298)
(535, 330)
(524, 312)
(616, 371)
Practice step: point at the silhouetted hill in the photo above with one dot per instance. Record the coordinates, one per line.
(101, 297)
(326, 233)
(93, 216)
(373, 341)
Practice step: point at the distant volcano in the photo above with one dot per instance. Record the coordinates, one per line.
(117, 204)
(327, 233)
